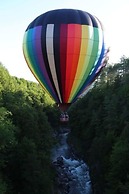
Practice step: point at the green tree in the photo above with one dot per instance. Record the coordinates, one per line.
(26, 136)
(119, 170)
(99, 130)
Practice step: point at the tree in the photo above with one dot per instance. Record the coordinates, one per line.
(26, 136)
(99, 130)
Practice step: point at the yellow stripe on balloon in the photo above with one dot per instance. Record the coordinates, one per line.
(85, 51)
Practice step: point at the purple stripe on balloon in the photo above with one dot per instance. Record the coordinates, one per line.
(39, 54)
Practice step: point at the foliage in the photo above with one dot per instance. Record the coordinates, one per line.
(100, 130)
(26, 140)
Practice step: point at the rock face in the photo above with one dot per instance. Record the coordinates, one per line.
(72, 174)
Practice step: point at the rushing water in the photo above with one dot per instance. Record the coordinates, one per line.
(73, 173)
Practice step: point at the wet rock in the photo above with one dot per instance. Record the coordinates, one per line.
(60, 160)
(72, 174)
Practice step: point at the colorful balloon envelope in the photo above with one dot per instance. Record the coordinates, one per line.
(65, 51)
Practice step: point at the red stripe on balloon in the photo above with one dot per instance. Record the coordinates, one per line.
(63, 48)
(73, 52)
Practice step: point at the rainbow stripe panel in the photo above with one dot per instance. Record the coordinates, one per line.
(64, 49)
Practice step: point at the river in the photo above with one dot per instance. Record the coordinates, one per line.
(72, 172)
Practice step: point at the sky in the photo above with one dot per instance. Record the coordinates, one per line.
(16, 15)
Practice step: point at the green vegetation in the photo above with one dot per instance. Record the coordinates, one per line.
(100, 130)
(99, 133)
(26, 124)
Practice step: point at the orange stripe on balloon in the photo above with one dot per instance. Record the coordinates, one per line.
(85, 52)
(73, 52)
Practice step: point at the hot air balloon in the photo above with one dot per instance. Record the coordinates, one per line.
(65, 51)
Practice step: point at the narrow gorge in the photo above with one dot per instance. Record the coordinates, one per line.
(72, 174)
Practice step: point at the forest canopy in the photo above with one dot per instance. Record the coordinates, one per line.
(99, 125)
(100, 130)
(26, 128)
